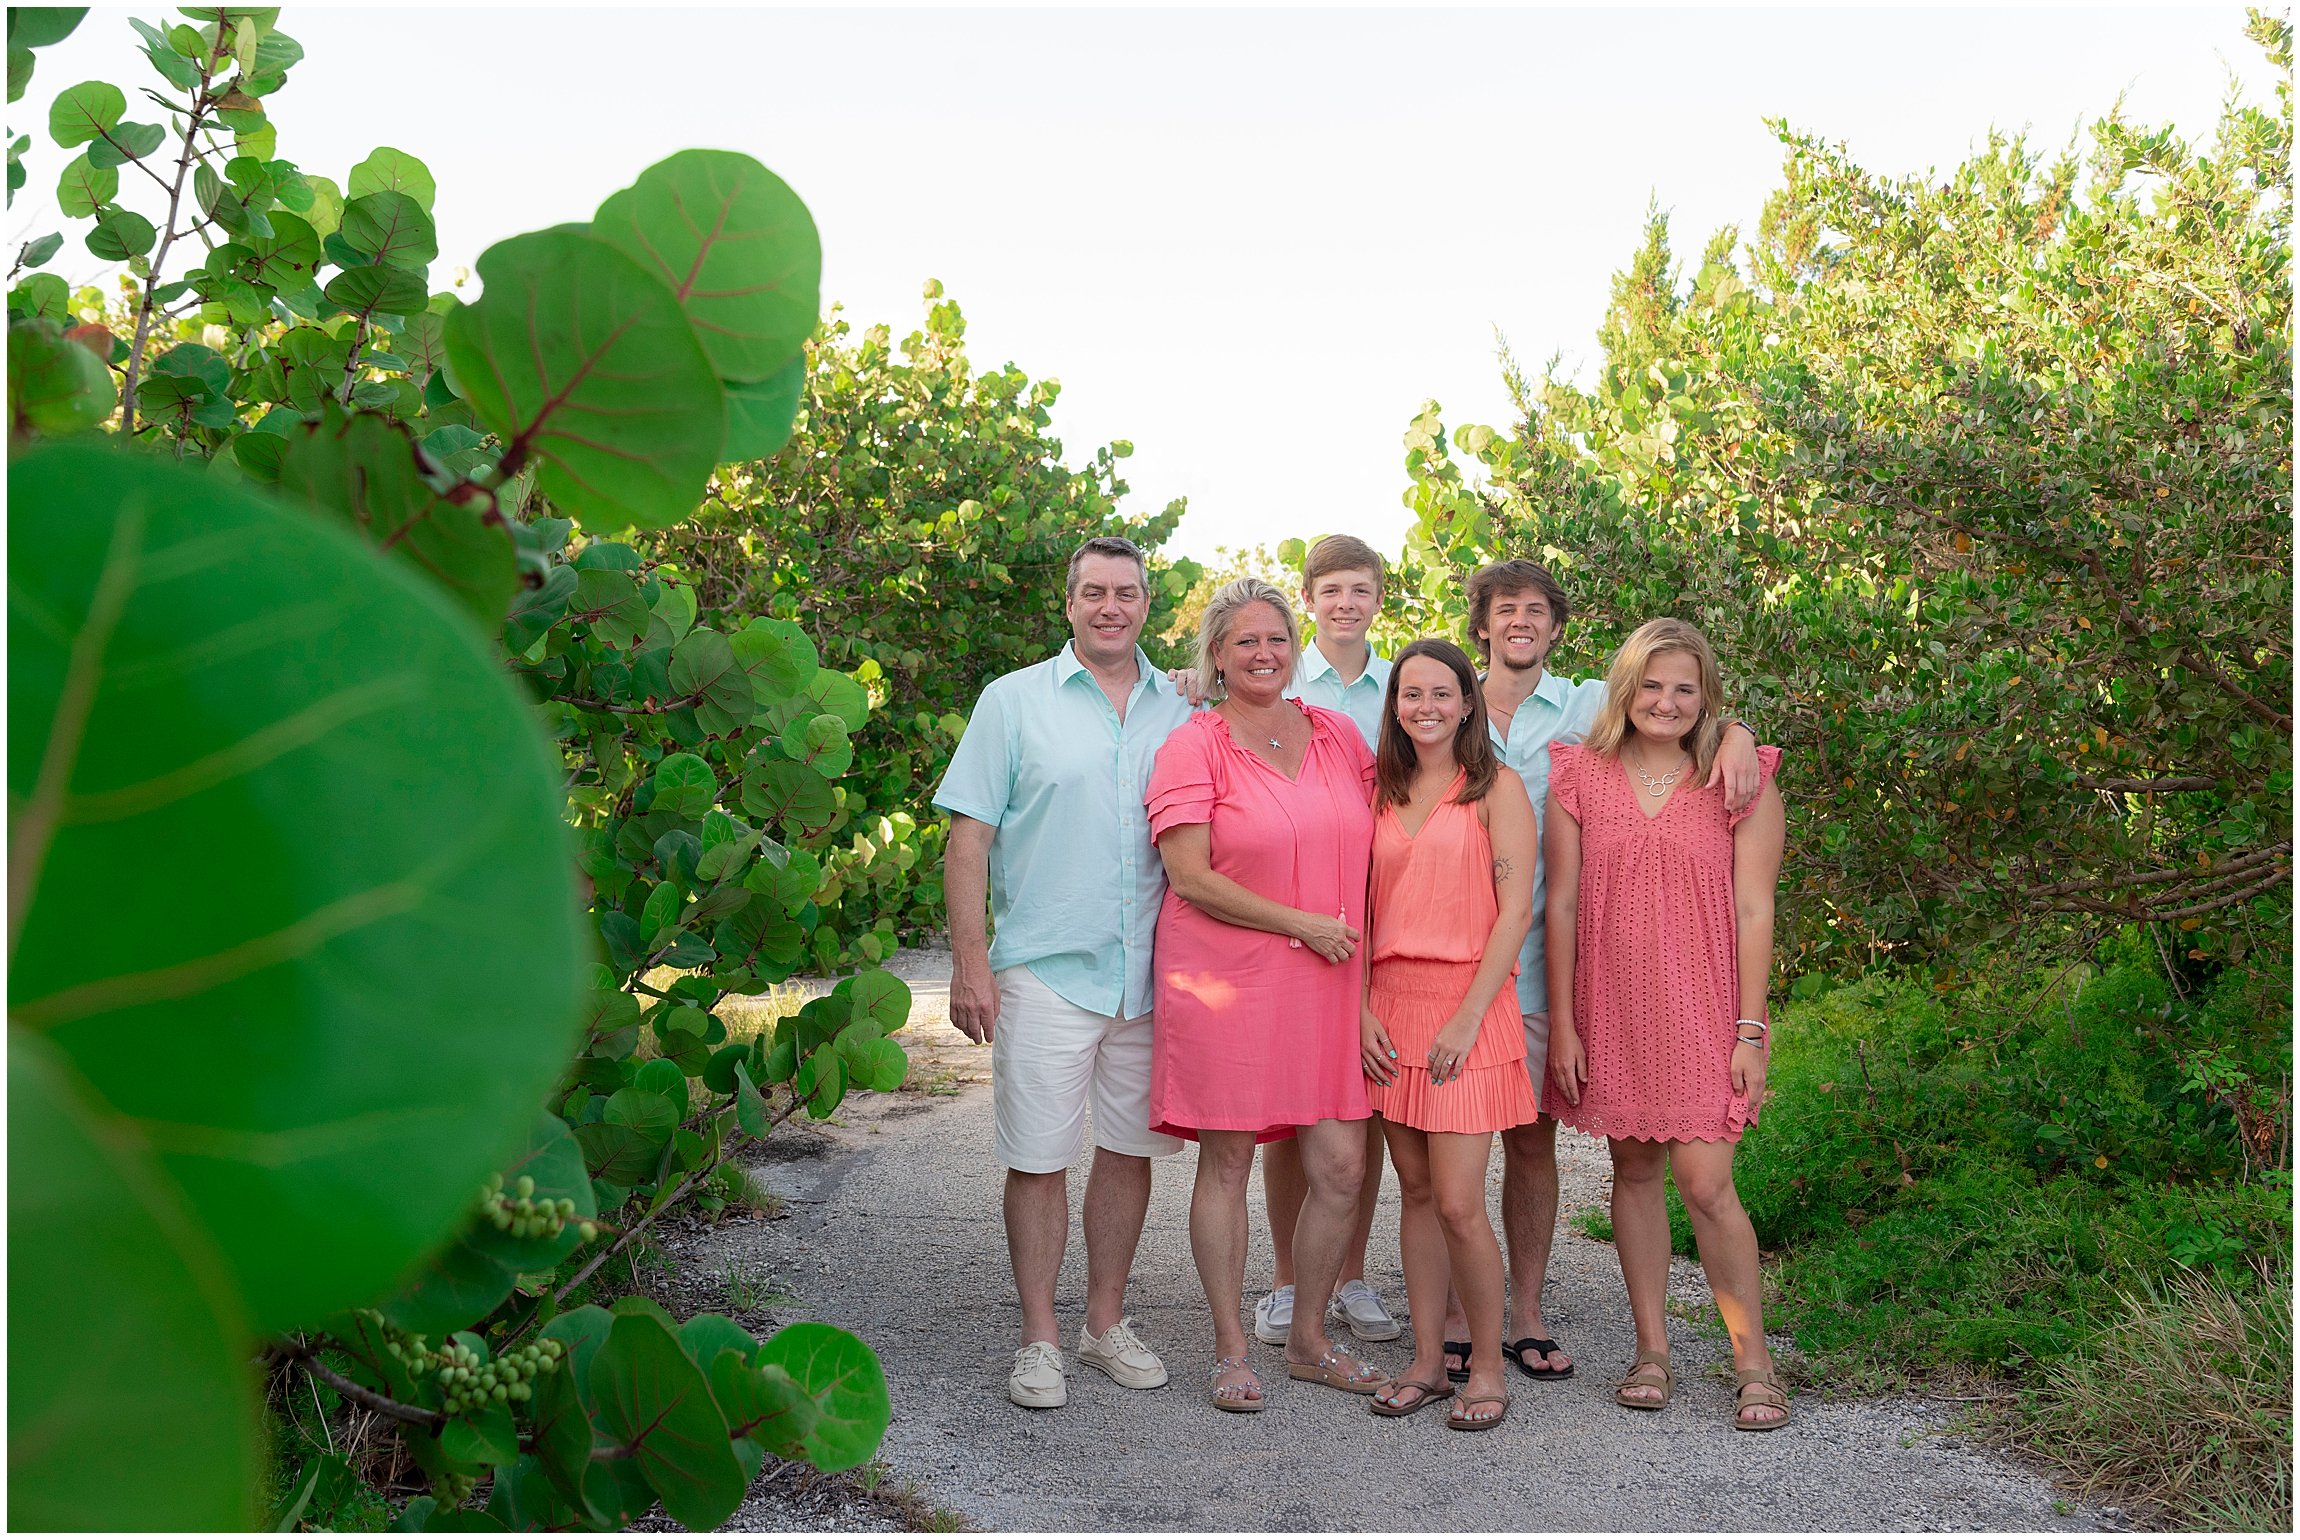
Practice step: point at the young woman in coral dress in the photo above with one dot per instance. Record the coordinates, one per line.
(1660, 945)
(1261, 809)
(1443, 1046)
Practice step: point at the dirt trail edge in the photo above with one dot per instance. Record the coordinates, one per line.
(892, 1230)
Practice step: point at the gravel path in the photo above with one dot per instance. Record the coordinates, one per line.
(892, 1229)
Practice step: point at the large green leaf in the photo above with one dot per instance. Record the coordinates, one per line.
(578, 358)
(778, 655)
(840, 1373)
(363, 292)
(390, 228)
(735, 244)
(364, 469)
(797, 798)
(762, 1402)
(286, 258)
(704, 670)
(55, 386)
(85, 188)
(37, 26)
(878, 997)
(761, 413)
(282, 832)
(395, 171)
(83, 112)
(126, 1332)
(820, 743)
(649, 1397)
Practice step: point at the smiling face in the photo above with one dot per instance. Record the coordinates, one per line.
(1430, 702)
(1344, 603)
(1521, 628)
(1257, 656)
(1107, 610)
(1667, 704)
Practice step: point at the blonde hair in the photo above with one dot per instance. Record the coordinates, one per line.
(1627, 672)
(1221, 610)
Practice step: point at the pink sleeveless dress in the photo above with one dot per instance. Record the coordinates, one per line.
(1433, 907)
(1656, 978)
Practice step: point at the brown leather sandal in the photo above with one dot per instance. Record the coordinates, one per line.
(1759, 1389)
(1638, 1379)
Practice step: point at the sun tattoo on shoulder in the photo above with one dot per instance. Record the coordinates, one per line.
(1502, 867)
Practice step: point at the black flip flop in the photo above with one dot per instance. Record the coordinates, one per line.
(1541, 1348)
(1458, 1350)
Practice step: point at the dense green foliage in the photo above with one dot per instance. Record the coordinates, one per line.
(918, 526)
(287, 1087)
(1981, 485)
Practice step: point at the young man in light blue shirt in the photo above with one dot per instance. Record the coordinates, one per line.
(1517, 612)
(1047, 825)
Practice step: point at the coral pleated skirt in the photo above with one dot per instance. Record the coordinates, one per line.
(1413, 999)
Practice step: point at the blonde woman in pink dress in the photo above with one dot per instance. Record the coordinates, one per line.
(1454, 844)
(1261, 809)
(1660, 947)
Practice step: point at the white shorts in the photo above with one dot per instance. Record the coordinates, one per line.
(1536, 1024)
(1048, 1060)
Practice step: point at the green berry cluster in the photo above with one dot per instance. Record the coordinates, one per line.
(469, 1384)
(453, 1489)
(527, 1217)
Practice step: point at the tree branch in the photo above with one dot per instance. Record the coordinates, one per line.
(306, 1358)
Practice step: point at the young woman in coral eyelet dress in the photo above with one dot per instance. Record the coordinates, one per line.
(1660, 945)
(1451, 897)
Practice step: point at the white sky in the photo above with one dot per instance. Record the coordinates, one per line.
(1252, 242)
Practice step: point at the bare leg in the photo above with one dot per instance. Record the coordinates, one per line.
(1529, 1219)
(1457, 1184)
(1117, 1198)
(1218, 1230)
(1728, 1245)
(1037, 1228)
(1369, 1193)
(1282, 1191)
(1641, 1239)
(1333, 1163)
(1421, 1242)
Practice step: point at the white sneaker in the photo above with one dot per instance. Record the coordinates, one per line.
(1274, 1315)
(1362, 1308)
(1037, 1377)
(1121, 1355)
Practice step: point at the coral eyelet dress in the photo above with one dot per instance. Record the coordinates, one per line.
(1656, 974)
(1251, 1030)
(1434, 907)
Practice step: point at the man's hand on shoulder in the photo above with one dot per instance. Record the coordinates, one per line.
(1186, 680)
(1736, 768)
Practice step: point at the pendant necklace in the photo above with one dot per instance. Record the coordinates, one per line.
(1659, 786)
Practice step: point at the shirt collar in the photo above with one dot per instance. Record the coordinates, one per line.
(1314, 664)
(1552, 689)
(1067, 667)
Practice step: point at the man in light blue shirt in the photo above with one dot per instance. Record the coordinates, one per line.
(1047, 825)
(1517, 612)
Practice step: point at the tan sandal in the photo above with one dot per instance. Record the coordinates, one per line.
(1461, 1419)
(1768, 1395)
(1638, 1379)
(1234, 1398)
(1425, 1393)
(1328, 1371)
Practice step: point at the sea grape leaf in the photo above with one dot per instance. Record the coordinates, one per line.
(841, 1375)
(650, 1397)
(394, 171)
(127, 1327)
(577, 357)
(736, 246)
(349, 842)
(761, 413)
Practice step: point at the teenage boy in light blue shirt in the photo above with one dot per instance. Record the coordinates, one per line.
(1047, 825)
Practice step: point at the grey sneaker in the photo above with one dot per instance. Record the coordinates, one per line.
(1274, 1315)
(1121, 1355)
(1362, 1309)
(1037, 1378)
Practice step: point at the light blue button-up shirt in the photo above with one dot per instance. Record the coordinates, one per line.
(1317, 681)
(1075, 883)
(1558, 711)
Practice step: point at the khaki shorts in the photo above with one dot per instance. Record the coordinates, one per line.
(1049, 1061)
(1536, 1025)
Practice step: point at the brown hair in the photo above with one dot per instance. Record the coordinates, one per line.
(1627, 671)
(1515, 576)
(1395, 757)
(1342, 553)
(1104, 545)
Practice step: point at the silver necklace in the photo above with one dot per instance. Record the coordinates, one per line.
(1660, 787)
